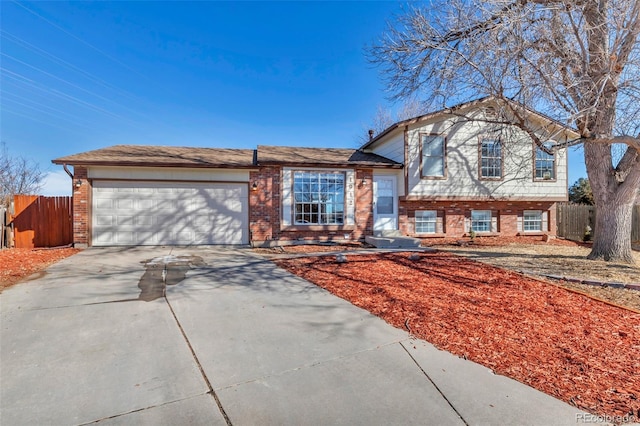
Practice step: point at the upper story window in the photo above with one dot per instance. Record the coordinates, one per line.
(318, 198)
(433, 155)
(490, 158)
(545, 163)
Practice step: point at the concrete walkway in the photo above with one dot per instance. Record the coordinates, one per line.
(235, 340)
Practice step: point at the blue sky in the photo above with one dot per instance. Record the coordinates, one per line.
(85, 75)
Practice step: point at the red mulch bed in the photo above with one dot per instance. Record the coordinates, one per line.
(17, 264)
(580, 350)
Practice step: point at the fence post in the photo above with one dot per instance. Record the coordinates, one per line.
(2, 225)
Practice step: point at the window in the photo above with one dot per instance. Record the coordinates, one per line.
(383, 193)
(545, 163)
(532, 220)
(426, 221)
(433, 155)
(318, 198)
(481, 220)
(490, 158)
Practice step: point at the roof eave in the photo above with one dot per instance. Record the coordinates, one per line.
(144, 164)
(337, 165)
(414, 120)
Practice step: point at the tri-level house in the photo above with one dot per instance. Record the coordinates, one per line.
(445, 174)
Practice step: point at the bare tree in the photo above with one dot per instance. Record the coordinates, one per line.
(575, 61)
(384, 118)
(18, 175)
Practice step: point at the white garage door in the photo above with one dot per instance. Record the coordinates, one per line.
(169, 213)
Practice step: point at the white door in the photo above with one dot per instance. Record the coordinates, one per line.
(385, 203)
(169, 213)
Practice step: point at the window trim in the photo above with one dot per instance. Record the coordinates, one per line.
(295, 224)
(555, 163)
(491, 221)
(445, 169)
(481, 139)
(435, 222)
(524, 222)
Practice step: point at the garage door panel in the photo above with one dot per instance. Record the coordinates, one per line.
(124, 220)
(154, 213)
(145, 204)
(124, 237)
(124, 204)
(104, 220)
(170, 205)
(146, 238)
(144, 221)
(103, 204)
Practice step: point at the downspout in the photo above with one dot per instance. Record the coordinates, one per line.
(66, 169)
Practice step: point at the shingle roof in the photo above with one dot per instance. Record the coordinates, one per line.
(168, 156)
(287, 155)
(140, 155)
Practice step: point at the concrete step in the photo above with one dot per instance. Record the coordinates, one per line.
(388, 233)
(393, 242)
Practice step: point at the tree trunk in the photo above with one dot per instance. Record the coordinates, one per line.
(614, 206)
(612, 238)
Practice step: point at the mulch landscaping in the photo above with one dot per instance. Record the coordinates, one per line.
(17, 264)
(565, 344)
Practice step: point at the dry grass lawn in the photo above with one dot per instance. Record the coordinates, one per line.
(565, 260)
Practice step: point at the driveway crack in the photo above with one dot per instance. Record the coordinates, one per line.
(195, 357)
(434, 384)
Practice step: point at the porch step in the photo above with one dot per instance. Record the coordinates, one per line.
(388, 233)
(392, 241)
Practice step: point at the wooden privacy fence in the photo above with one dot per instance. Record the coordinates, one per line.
(573, 219)
(3, 227)
(40, 221)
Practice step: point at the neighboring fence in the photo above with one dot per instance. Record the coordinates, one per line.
(573, 219)
(41, 221)
(3, 227)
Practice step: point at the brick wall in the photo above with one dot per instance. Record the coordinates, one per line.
(456, 212)
(364, 203)
(264, 203)
(265, 211)
(81, 207)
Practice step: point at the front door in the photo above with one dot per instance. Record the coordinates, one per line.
(385, 203)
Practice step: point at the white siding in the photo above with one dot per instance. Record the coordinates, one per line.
(462, 164)
(392, 148)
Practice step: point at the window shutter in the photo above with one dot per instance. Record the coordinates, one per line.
(520, 221)
(545, 221)
(467, 221)
(440, 222)
(494, 221)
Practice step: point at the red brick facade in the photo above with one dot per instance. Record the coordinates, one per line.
(81, 207)
(265, 215)
(265, 212)
(455, 216)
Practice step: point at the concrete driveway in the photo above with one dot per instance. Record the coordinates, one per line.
(232, 340)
